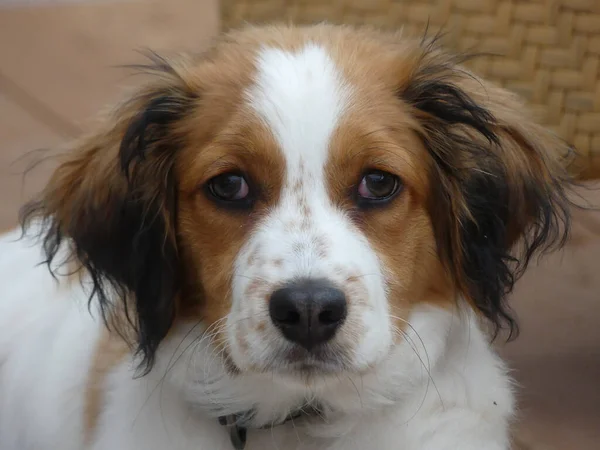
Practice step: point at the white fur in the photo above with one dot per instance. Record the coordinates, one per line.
(439, 387)
(442, 388)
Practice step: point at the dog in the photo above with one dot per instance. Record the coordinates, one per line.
(302, 238)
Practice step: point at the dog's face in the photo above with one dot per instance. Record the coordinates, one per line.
(299, 191)
(307, 218)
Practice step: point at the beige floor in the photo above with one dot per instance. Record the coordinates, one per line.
(55, 73)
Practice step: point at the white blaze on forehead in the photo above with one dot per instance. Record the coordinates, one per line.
(301, 96)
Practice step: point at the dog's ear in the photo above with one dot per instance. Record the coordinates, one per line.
(498, 180)
(113, 203)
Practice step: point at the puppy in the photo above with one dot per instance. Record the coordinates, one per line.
(300, 239)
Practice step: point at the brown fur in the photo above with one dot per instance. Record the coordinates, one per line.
(377, 134)
(203, 224)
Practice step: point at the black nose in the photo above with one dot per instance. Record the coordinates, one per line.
(308, 312)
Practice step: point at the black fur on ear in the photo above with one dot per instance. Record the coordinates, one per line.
(113, 203)
(498, 186)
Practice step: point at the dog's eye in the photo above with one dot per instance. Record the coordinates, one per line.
(229, 187)
(377, 185)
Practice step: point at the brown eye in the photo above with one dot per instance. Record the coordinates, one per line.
(377, 185)
(229, 187)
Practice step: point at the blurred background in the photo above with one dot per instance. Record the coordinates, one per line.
(58, 63)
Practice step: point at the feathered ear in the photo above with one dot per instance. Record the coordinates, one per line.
(113, 201)
(498, 180)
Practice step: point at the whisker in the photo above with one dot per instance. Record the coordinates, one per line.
(427, 366)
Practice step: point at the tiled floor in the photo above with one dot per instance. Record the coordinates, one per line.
(57, 70)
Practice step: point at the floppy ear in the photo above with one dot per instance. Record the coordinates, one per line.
(113, 202)
(498, 180)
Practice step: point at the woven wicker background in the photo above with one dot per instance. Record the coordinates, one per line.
(550, 49)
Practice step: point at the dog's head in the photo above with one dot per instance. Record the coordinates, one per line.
(300, 190)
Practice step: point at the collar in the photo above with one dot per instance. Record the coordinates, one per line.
(238, 432)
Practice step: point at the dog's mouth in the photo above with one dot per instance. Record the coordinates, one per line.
(298, 361)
